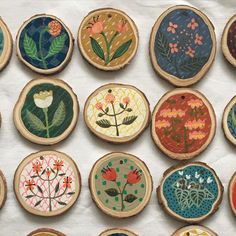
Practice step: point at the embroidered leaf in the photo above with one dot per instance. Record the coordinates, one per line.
(129, 109)
(61, 203)
(34, 121)
(193, 64)
(1, 41)
(34, 176)
(182, 197)
(57, 45)
(112, 192)
(59, 115)
(37, 203)
(39, 189)
(62, 174)
(104, 123)
(208, 194)
(107, 109)
(29, 196)
(97, 48)
(122, 106)
(129, 120)
(162, 45)
(57, 187)
(121, 50)
(30, 47)
(71, 193)
(197, 196)
(130, 198)
(52, 170)
(100, 114)
(233, 117)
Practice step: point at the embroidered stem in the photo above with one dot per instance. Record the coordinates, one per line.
(45, 111)
(40, 47)
(115, 118)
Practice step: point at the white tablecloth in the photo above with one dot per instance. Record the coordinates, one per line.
(85, 219)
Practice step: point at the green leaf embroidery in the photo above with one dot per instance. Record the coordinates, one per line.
(182, 197)
(233, 117)
(122, 106)
(208, 194)
(112, 192)
(57, 45)
(104, 123)
(30, 47)
(39, 189)
(97, 48)
(29, 196)
(57, 187)
(37, 203)
(121, 50)
(71, 193)
(59, 115)
(193, 64)
(129, 109)
(130, 198)
(129, 120)
(163, 46)
(197, 196)
(34, 121)
(100, 114)
(1, 41)
(107, 109)
(61, 203)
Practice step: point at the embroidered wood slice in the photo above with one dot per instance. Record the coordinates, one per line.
(44, 44)
(183, 123)
(108, 39)
(120, 184)
(232, 193)
(182, 45)
(3, 189)
(228, 42)
(5, 45)
(46, 111)
(229, 121)
(117, 232)
(46, 232)
(47, 183)
(117, 113)
(190, 192)
(197, 230)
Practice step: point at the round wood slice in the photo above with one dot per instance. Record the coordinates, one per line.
(232, 193)
(46, 232)
(47, 111)
(183, 123)
(228, 42)
(117, 232)
(108, 39)
(190, 192)
(182, 45)
(3, 189)
(47, 183)
(44, 44)
(120, 184)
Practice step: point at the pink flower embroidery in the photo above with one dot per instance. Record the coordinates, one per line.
(195, 103)
(173, 47)
(171, 28)
(193, 24)
(197, 135)
(172, 113)
(195, 124)
(198, 39)
(162, 124)
(190, 52)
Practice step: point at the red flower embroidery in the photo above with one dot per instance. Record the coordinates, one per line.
(58, 164)
(29, 185)
(67, 182)
(109, 174)
(54, 28)
(190, 52)
(193, 24)
(37, 167)
(126, 100)
(171, 28)
(198, 39)
(122, 27)
(48, 172)
(99, 106)
(110, 98)
(133, 177)
(173, 47)
(96, 26)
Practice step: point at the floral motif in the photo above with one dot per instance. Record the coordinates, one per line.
(162, 124)
(134, 177)
(43, 99)
(173, 47)
(195, 103)
(67, 182)
(190, 52)
(58, 164)
(110, 99)
(198, 39)
(29, 184)
(197, 135)
(193, 24)
(172, 28)
(172, 113)
(194, 124)
(37, 167)
(54, 28)
(96, 26)
(109, 174)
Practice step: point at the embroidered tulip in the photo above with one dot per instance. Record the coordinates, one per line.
(67, 182)
(171, 28)
(109, 174)
(48, 173)
(58, 164)
(29, 184)
(133, 177)
(99, 105)
(192, 24)
(198, 39)
(96, 26)
(37, 167)
(190, 52)
(173, 47)
(122, 27)
(126, 100)
(54, 28)
(195, 103)
(43, 99)
(110, 98)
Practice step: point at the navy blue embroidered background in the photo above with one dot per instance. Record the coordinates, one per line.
(33, 29)
(175, 66)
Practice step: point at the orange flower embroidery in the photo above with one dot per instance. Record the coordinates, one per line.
(58, 164)
(172, 28)
(110, 98)
(48, 173)
(99, 106)
(197, 135)
(173, 47)
(198, 39)
(133, 177)
(172, 113)
(96, 26)
(67, 182)
(194, 124)
(162, 124)
(122, 27)
(54, 28)
(195, 103)
(190, 52)
(37, 167)
(192, 24)
(29, 184)
(126, 100)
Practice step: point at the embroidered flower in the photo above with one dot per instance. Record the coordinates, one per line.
(195, 103)
(126, 100)
(43, 99)
(192, 24)
(29, 184)
(109, 174)
(96, 26)
(54, 28)
(190, 52)
(110, 98)
(99, 105)
(194, 124)
(122, 27)
(171, 28)
(67, 182)
(162, 124)
(172, 113)
(198, 39)
(197, 135)
(48, 172)
(37, 167)
(173, 47)
(133, 177)
(58, 164)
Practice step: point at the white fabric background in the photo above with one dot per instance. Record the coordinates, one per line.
(85, 219)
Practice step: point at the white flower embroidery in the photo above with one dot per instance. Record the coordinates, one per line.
(197, 175)
(201, 180)
(188, 176)
(43, 99)
(181, 172)
(209, 180)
